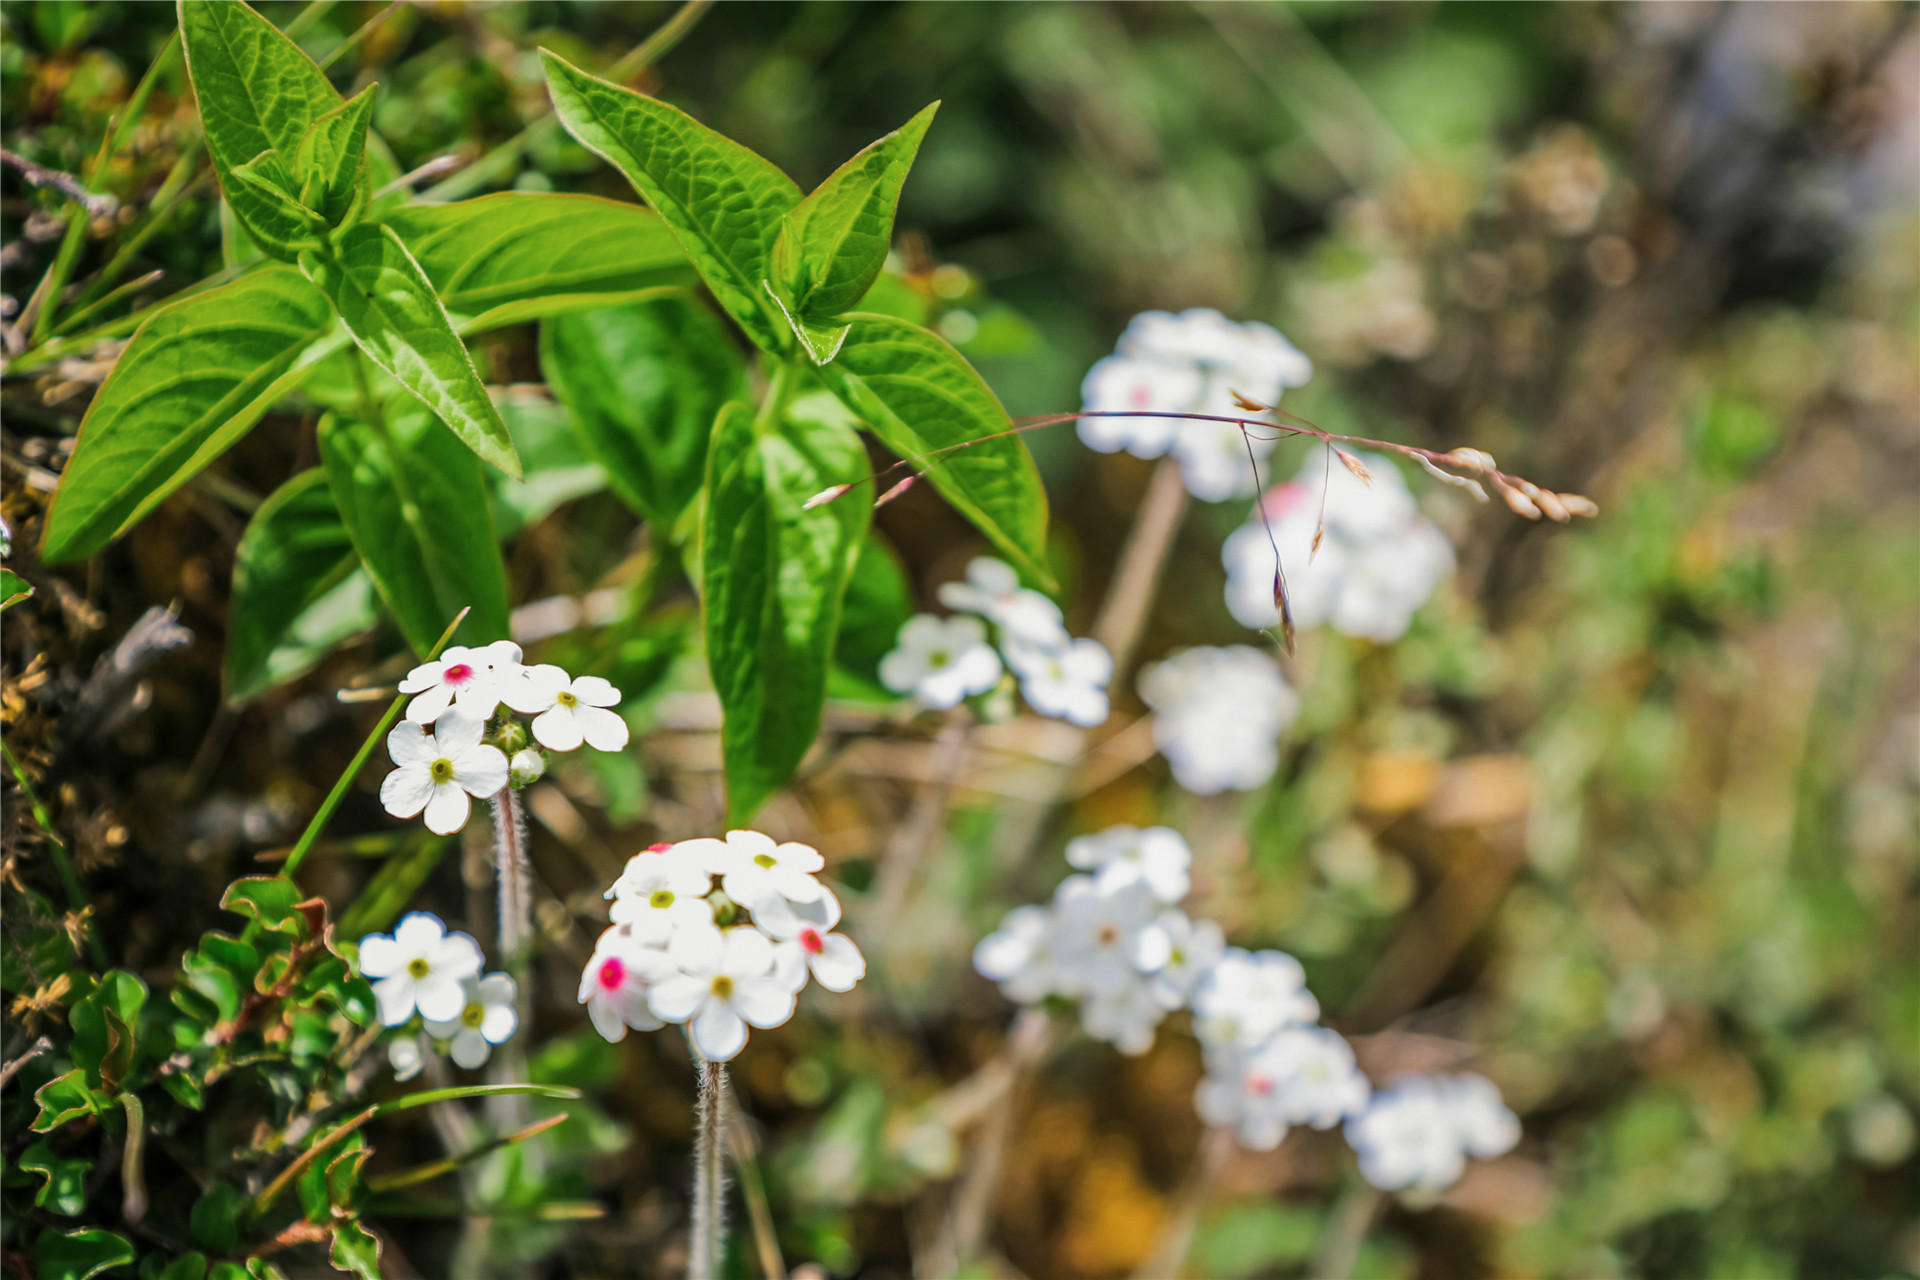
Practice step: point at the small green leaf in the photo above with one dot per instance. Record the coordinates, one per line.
(552, 253)
(834, 243)
(343, 1175)
(64, 1189)
(192, 1266)
(919, 395)
(390, 309)
(78, 1255)
(330, 163)
(355, 1249)
(723, 202)
(272, 900)
(117, 996)
(216, 1217)
(196, 376)
(13, 589)
(65, 1098)
(183, 1088)
(820, 340)
(268, 180)
(415, 505)
(773, 578)
(258, 93)
(643, 383)
(298, 588)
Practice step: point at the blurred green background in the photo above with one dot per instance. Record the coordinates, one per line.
(1630, 813)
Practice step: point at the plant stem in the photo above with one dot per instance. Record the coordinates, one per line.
(920, 833)
(709, 1178)
(1123, 615)
(746, 1160)
(1169, 1250)
(1345, 1232)
(510, 868)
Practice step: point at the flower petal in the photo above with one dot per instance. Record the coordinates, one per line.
(558, 729)
(534, 689)
(405, 791)
(448, 810)
(499, 1024)
(764, 1002)
(698, 950)
(419, 932)
(395, 996)
(423, 677)
(801, 857)
(458, 729)
(748, 954)
(718, 1033)
(470, 1049)
(839, 966)
(481, 770)
(458, 956)
(496, 989)
(604, 730)
(596, 692)
(605, 1013)
(429, 706)
(440, 998)
(677, 999)
(408, 743)
(380, 956)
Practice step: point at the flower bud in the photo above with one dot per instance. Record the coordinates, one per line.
(511, 737)
(526, 767)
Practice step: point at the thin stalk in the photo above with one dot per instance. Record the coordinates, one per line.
(781, 385)
(352, 42)
(920, 834)
(510, 870)
(1169, 1252)
(1346, 1232)
(69, 880)
(1136, 579)
(175, 189)
(709, 1174)
(92, 309)
(746, 1160)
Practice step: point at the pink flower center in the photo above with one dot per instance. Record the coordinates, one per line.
(810, 939)
(612, 973)
(1141, 395)
(659, 848)
(458, 673)
(1259, 1086)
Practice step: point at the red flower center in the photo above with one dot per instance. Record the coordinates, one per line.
(659, 848)
(458, 673)
(612, 973)
(1260, 1086)
(812, 941)
(1141, 395)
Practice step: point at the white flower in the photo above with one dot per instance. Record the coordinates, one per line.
(1485, 1125)
(1019, 955)
(1406, 1138)
(486, 1019)
(1320, 1085)
(568, 712)
(526, 767)
(1105, 938)
(662, 891)
(941, 661)
(1379, 558)
(469, 678)
(992, 589)
(1217, 458)
(725, 983)
(420, 965)
(404, 1056)
(1124, 1017)
(438, 771)
(1255, 355)
(1157, 857)
(1193, 946)
(1067, 682)
(1218, 716)
(614, 987)
(753, 869)
(804, 941)
(1127, 385)
(1246, 997)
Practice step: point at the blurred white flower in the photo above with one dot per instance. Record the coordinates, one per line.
(992, 589)
(469, 678)
(1156, 856)
(566, 711)
(405, 1057)
(1105, 938)
(1067, 682)
(941, 661)
(1406, 1138)
(1481, 1118)
(613, 986)
(804, 941)
(1218, 716)
(1019, 955)
(1379, 559)
(1129, 384)
(1193, 946)
(1300, 1075)
(1247, 996)
(753, 869)
(437, 771)
(419, 966)
(1125, 1016)
(486, 1019)
(725, 982)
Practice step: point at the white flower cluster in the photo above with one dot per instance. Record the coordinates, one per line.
(1114, 940)
(1218, 716)
(944, 661)
(1379, 559)
(719, 960)
(1193, 362)
(440, 757)
(421, 968)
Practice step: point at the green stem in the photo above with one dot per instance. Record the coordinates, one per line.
(76, 896)
(175, 189)
(353, 41)
(782, 384)
(339, 792)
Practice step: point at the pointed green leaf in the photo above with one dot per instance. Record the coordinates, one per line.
(643, 384)
(64, 1098)
(330, 163)
(13, 589)
(820, 340)
(78, 1255)
(554, 252)
(288, 572)
(773, 577)
(196, 376)
(355, 1249)
(65, 1187)
(258, 93)
(722, 201)
(274, 901)
(428, 1097)
(835, 242)
(117, 995)
(919, 395)
(267, 179)
(417, 514)
(393, 314)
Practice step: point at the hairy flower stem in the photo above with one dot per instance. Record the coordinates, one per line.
(510, 868)
(709, 1177)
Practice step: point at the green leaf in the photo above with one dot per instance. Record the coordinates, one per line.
(65, 1098)
(723, 202)
(13, 589)
(294, 555)
(773, 578)
(192, 1266)
(216, 1217)
(386, 895)
(521, 256)
(196, 376)
(833, 245)
(258, 93)
(355, 1249)
(330, 162)
(643, 384)
(879, 600)
(390, 308)
(558, 467)
(78, 1255)
(272, 900)
(64, 1189)
(415, 505)
(919, 395)
(820, 340)
(428, 1097)
(268, 179)
(117, 996)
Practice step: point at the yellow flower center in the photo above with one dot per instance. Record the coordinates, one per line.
(764, 860)
(722, 985)
(566, 699)
(418, 967)
(660, 899)
(441, 770)
(473, 1015)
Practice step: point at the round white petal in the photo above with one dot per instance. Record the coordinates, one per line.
(718, 1032)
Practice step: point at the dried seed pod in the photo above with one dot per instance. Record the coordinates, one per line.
(1579, 505)
(1248, 403)
(1472, 460)
(1459, 482)
(1520, 502)
(894, 492)
(1356, 466)
(1285, 611)
(826, 495)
